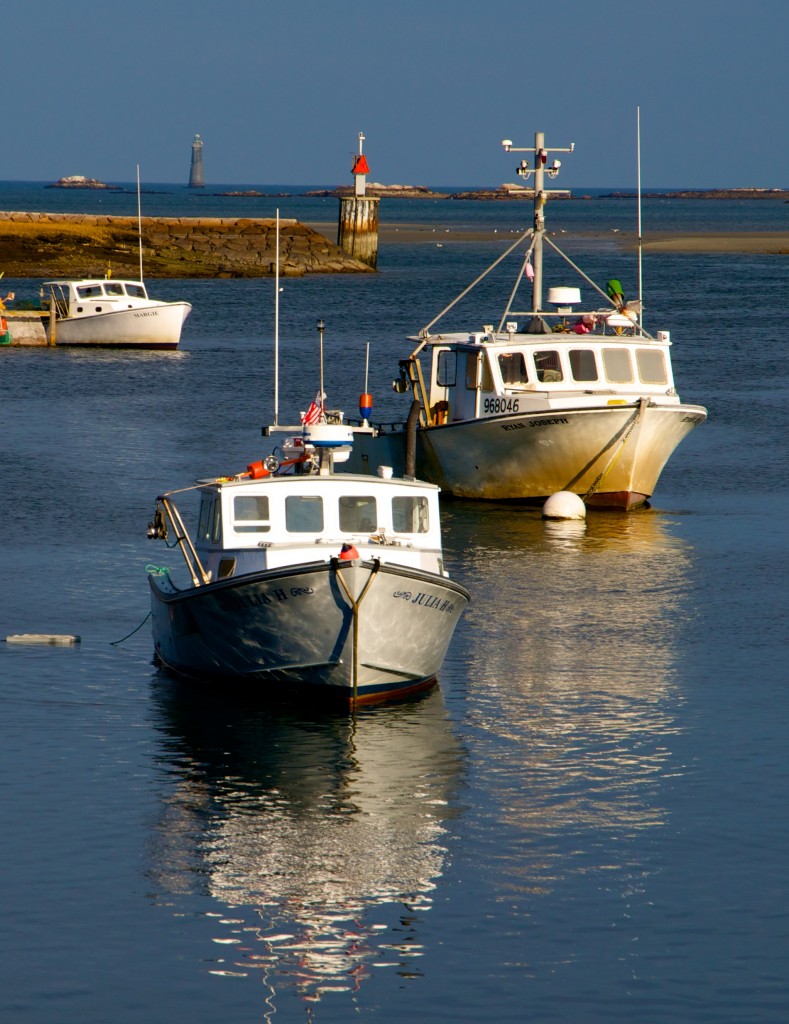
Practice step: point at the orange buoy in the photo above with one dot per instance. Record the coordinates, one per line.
(348, 552)
(365, 405)
(257, 470)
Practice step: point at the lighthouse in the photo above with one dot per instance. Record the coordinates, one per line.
(196, 176)
(357, 232)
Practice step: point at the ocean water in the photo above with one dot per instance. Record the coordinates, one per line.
(585, 822)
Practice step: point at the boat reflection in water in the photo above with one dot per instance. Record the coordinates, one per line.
(315, 835)
(575, 679)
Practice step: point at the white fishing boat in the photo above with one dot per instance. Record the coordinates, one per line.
(113, 313)
(303, 576)
(557, 396)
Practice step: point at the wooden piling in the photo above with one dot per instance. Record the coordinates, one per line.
(357, 232)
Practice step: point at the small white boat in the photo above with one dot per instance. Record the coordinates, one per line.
(303, 576)
(556, 397)
(113, 313)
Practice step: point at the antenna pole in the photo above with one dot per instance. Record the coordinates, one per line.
(321, 325)
(366, 367)
(276, 328)
(139, 220)
(638, 173)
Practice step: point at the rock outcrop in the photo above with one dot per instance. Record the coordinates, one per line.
(374, 188)
(707, 193)
(78, 181)
(77, 245)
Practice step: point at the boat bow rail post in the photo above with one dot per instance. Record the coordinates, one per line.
(411, 376)
(643, 404)
(355, 605)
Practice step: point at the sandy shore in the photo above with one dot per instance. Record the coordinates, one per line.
(734, 241)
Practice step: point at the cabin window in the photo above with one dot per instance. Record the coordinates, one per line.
(136, 291)
(486, 384)
(89, 291)
(549, 367)
(410, 515)
(203, 524)
(447, 369)
(304, 513)
(583, 364)
(651, 366)
(209, 525)
(250, 513)
(617, 366)
(113, 288)
(358, 514)
(486, 378)
(513, 369)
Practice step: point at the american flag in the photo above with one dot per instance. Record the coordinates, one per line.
(315, 412)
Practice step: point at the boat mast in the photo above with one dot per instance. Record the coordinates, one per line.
(139, 220)
(540, 156)
(276, 328)
(541, 196)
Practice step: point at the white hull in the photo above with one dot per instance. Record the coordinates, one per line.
(614, 452)
(157, 325)
(283, 629)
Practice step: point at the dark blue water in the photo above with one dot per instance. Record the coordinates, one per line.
(586, 212)
(586, 821)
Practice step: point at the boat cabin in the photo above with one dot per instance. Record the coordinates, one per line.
(89, 297)
(496, 373)
(250, 525)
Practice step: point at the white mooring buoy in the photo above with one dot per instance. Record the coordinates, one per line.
(564, 505)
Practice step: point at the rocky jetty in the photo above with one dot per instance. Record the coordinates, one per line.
(77, 245)
(375, 188)
(503, 192)
(707, 193)
(77, 181)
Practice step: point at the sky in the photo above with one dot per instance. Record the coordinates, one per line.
(279, 92)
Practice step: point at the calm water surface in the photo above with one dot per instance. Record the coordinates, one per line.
(585, 822)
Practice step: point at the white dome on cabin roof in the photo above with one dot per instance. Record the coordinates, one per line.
(564, 296)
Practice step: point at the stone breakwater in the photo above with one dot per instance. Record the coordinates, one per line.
(81, 245)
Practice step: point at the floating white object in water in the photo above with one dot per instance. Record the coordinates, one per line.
(53, 639)
(564, 505)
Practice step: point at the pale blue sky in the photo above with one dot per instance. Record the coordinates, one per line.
(280, 91)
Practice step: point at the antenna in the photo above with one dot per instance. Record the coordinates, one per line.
(638, 175)
(276, 328)
(139, 220)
